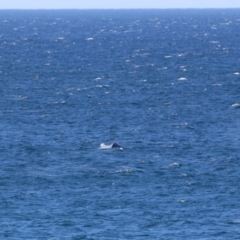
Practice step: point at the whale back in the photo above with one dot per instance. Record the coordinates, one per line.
(116, 145)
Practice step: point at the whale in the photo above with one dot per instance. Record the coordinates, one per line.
(115, 145)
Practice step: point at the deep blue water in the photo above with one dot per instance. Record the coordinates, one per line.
(165, 84)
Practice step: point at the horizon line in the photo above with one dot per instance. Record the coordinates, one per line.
(134, 8)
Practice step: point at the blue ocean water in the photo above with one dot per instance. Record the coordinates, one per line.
(164, 84)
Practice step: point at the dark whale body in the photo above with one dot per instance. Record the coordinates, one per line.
(116, 145)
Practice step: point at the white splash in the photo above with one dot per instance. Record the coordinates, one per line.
(105, 146)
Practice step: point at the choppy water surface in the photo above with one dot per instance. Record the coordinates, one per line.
(164, 84)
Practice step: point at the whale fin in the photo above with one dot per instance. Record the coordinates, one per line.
(115, 145)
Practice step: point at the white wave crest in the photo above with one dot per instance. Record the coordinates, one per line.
(182, 79)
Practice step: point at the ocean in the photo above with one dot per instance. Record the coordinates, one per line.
(163, 84)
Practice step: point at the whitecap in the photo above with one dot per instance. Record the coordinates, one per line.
(182, 79)
(89, 39)
(168, 146)
(101, 86)
(236, 105)
(22, 97)
(236, 73)
(175, 164)
(183, 175)
(183, 68)
(124, 170)
(181, 200)
(214, 42)
(236, 221)
(137, 66)
(167, 103)
(70, 89)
